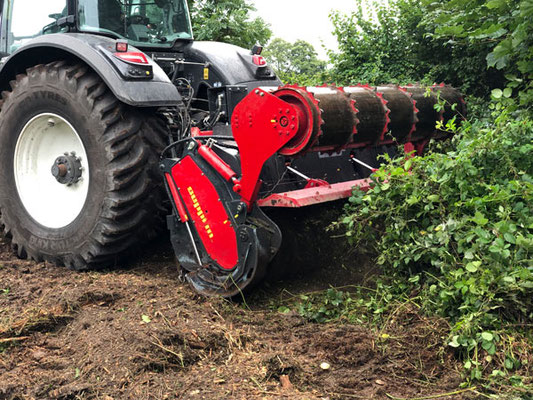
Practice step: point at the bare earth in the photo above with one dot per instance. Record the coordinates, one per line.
(139, 333)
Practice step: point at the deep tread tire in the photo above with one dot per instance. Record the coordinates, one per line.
(124, 206)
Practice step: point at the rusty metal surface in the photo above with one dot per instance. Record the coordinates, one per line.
(403, 112)
(371, 113)
(338, 115)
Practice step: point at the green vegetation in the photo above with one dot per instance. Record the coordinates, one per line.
(473, 45)
(296, 62)
(228, 21)
(502, 28)
(456, 228)
(452, 231)
(453, 235)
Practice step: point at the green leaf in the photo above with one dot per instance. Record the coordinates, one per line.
(497, 93)
(473, 266)
(509, 237)
(500, 56)
(454, 342)
(487, 336)
(495, 4)
(507, 92)
(480, 219)
(146, 319)
(490, 347)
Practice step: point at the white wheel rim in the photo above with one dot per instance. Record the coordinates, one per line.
(50, 203)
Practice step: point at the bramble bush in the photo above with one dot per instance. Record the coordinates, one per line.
(457, 229)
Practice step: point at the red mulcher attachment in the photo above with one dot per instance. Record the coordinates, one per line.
(220, 234)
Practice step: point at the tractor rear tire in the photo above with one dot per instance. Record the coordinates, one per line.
(79, 179)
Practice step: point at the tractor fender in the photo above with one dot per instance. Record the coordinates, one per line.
(232, 65)
(96, 51)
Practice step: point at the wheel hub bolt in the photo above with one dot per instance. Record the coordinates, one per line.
(67, 169)
(59, 170)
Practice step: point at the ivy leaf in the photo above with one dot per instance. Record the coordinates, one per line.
(487, 336)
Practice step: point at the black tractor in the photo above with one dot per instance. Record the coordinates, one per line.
(91, 91)
(115, 124)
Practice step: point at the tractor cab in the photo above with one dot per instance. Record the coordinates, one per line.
(144, 23)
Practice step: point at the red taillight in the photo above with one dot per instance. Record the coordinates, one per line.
(122, 46)
(135, 58)
(259, 60)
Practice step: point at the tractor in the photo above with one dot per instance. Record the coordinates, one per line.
(115, 124)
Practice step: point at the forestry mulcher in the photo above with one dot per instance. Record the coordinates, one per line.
(110, 109)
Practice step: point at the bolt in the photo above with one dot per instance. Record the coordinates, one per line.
(51, 122)
(191, 146)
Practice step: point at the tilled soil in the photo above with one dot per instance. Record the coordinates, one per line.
(140, 333)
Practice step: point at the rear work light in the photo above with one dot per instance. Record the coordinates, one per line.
(259, 60)
(133, 57)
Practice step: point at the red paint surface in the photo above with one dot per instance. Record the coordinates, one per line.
(216, 162)
(177, 201)
(207, 213)
(317, 195)
(259, 135)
